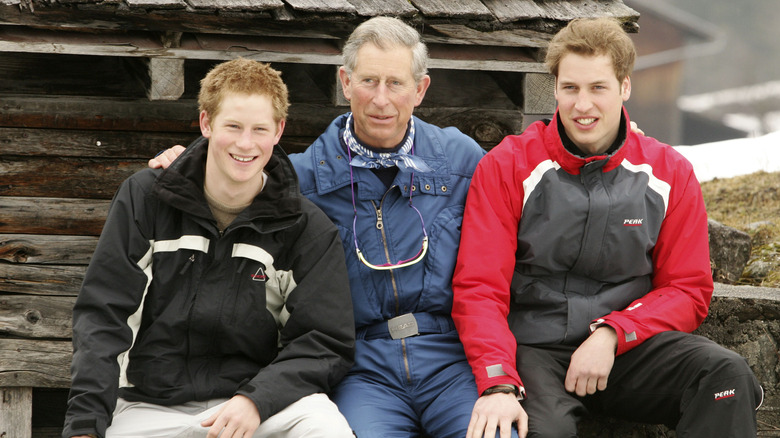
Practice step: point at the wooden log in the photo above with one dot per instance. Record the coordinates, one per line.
(99, 113)
(16, 412)
(65, 177)
(79, 143)
(42, 279)
(30, 316)
(448, 8)
(46, 249)
(80, 217)
(34, 363)
(372, 8)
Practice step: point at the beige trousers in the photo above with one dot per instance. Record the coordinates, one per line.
(314, 416)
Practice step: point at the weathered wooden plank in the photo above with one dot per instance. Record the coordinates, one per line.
(98, 113)
(78, 143)
(41, 280)
(29, 316)
(538, 93)
(35, 363)
(455, 33)
(449, 8)
(232, 5)
(487, 127)
(156, 4)
(46, 249)
(372, 8)
(560, 10)
(489, 58)
(80, 217)
(65, 177)
(318, 6)
(515, 10)
(16, 412)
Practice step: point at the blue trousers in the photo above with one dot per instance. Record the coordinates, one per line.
(414, 387)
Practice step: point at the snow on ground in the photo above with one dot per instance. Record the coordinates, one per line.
(742, 156)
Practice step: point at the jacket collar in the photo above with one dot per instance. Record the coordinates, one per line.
(331, 163)
(573, 163)
(181, 185)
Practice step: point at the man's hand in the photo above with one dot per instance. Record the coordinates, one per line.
(166, 157)
(635, 128)
(592, 362)
(238, 418)
(497, 411)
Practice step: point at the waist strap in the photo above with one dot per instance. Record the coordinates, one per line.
(406, 325)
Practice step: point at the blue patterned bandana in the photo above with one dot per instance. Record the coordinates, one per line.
(403, 159)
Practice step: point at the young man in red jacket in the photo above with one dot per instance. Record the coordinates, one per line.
(597, 271)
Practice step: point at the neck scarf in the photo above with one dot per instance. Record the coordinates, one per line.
(404, 158)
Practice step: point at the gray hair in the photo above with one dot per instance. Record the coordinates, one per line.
(386, 32)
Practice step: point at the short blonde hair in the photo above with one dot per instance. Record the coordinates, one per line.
(593, 37)
(243, 76)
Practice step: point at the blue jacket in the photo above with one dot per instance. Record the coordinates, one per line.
(324, 174)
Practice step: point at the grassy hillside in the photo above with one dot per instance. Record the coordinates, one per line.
(751, 203)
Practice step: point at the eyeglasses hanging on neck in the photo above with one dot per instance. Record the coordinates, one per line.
(387, 266)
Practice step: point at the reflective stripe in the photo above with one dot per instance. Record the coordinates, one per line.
(533, 179)
(279, 284)
(195, 243)
(659, 186)
(134, 320)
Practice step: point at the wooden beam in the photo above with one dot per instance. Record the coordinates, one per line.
(327, 7)
(266, 49)
(372, 8)
(487, 127)
(237, 5)
(80, 217)
(538, 93)
(451, 9)
(85, 113)
(42, 280)
(120, 145)
(94, 178)
(33, 363)
(16, 412)
(44, 249)
(29, 316)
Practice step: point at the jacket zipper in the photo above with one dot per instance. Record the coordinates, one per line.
(380, 225)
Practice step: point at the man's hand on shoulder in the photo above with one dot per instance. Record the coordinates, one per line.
(166, 157)
(497, 412)
(238, 418)
(592, 362)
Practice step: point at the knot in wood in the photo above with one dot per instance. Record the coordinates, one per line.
(33, 316)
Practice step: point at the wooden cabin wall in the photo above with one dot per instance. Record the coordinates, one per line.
(73, 127)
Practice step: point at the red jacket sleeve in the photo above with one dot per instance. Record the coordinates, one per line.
(486, 261)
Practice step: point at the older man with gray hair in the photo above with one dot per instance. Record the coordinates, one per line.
(396, 187)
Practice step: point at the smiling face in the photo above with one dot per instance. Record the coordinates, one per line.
(241, 140)
(382, 94)
(590, 100)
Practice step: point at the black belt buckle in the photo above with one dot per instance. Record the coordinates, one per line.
(403, 326)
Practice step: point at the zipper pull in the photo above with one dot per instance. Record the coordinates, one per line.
(379, 223)
(187, 265)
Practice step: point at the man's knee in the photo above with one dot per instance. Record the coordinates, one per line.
(314, 416)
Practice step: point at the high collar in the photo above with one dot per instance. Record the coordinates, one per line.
(332, 163)
(573, 163)
(181, 186)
